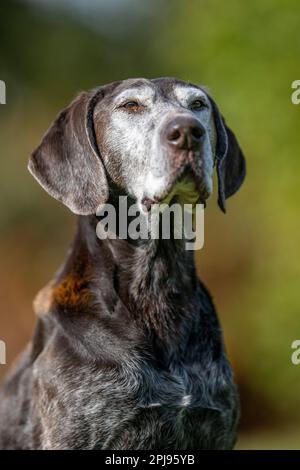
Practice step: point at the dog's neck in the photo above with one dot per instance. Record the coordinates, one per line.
(154, 280)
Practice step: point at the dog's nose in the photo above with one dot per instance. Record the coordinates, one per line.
(184, 132)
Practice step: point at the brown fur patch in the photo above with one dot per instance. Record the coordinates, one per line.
(73, 292)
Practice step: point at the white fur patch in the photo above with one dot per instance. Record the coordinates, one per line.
(186, 400)
(187, 94)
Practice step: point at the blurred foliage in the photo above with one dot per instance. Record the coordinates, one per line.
(247, 54)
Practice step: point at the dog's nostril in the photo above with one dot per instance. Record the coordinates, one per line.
(196, 132)
(174, 134)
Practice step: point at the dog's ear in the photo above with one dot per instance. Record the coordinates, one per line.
(230, 161)
(67, 163)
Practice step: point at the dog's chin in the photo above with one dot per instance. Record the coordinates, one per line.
(183, 191)
(186, 188)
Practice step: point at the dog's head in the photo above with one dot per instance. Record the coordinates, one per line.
(141, 136)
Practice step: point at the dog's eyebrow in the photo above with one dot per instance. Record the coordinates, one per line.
(143, 93)
(184, 94)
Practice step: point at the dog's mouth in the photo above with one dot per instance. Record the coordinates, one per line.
(186, 188)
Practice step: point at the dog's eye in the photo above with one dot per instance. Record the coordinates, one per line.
(133, 106)
(197, 104)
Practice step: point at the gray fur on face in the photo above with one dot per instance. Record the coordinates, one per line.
(135, 140)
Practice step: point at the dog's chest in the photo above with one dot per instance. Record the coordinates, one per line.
(172, 412)
(147, 409)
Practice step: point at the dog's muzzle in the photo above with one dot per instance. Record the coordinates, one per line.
(182, 137)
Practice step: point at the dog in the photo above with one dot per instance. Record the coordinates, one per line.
(128, 351)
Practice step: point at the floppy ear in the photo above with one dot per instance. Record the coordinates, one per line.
(230, 161)
(67, 163)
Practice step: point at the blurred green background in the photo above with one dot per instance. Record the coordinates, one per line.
(247, 54)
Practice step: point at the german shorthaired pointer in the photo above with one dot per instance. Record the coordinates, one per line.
(127, 352)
